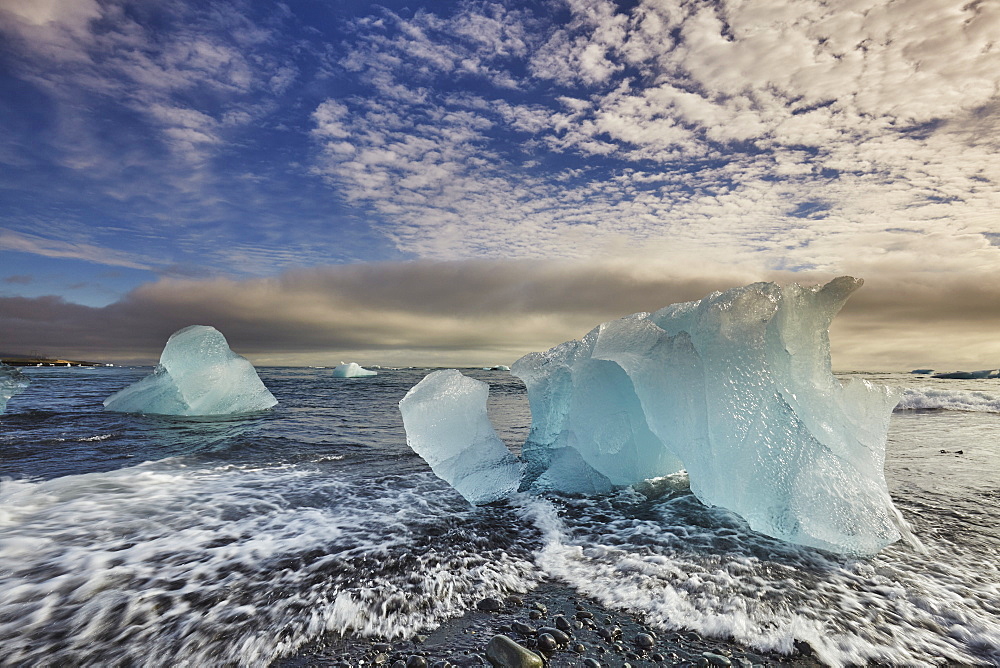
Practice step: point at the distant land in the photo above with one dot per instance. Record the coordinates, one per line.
(15, 360)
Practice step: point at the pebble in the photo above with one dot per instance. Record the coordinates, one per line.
(415, 661)
(382, 647)
(591, 663)
(645, 641)
(380, 659)
(562, 623)
(489, 605)
(535, 614)
(505, 653)
(547, 643)
(579, 648)
(523, 629)
(558, 635)
(717, 659)
(583, 614)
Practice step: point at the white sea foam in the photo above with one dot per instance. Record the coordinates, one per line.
(720, 579)
(162, 564)
(952, 400)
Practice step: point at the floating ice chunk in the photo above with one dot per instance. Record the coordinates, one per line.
(352, 370)
(969, 375)
(12, 382)
(446, 423)
(737, 390)
(197, 375)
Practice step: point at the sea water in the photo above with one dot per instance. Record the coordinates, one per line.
(161, 540)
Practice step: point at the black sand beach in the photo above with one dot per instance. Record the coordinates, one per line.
(598, 636)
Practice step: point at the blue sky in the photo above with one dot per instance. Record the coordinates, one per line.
(284, 158)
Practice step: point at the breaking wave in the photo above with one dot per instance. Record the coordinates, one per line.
(165, 565)
(949, 400)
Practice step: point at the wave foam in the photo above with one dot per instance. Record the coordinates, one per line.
(164, 564)
(952, 400)
(680, 565)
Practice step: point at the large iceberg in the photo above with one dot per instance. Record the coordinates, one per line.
(738, 390)
(12, 382)
(352, 370)
(446, 423)
(197, 375)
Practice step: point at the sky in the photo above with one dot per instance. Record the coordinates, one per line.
(461, 183)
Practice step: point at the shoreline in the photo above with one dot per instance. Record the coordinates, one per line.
(598, 636)
(45, 361)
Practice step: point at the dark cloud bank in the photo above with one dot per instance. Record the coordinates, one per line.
(477, 311)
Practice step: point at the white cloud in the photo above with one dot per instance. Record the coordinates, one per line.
(11, 240)
(793, 133)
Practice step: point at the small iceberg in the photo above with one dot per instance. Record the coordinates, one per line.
(969, 375)
(736, 389)
(198, 374)
(352, 370)
(12, 382)
(445, 419)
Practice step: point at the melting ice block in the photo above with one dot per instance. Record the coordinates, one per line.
(446, 423)
(197, 375)
(738, 390)
(352, 370)
(12, 382)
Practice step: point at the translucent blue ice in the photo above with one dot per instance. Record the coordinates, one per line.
(738, 390)
(352, 370)
(446, 423)
(12, 382)
(197, 375)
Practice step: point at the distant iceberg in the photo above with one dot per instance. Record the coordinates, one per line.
(969, 375)
(352, 370)
(737, 389)
(197, 375)
(12, 382)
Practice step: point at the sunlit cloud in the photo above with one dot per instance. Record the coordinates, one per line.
(798, 132)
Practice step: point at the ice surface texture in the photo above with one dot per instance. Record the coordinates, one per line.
(446, 423)
(12, 382)
(738, 390)
(197, 375)
(352, 370)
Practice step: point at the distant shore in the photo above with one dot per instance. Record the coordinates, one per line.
(45, 361)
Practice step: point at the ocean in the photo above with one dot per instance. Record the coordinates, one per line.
(247, 540)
